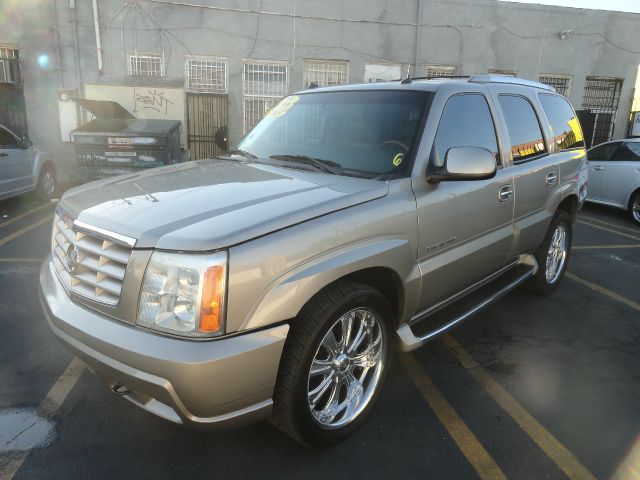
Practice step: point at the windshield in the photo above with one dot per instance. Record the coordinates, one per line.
(372, 132)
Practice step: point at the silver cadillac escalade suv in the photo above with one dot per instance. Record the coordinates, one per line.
(277, 281)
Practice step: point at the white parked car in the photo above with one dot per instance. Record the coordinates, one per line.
(614, 175)
(24, 168)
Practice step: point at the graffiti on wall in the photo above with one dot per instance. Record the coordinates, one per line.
(152, 99)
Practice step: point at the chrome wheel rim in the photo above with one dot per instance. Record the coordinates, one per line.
(557, 254)
(346, 368)
(635, 209)
(48, 183)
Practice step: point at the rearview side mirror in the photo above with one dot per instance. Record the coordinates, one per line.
(465, 163)
(25, 142)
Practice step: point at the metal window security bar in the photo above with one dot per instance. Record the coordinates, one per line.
(10, 66)
(504, 73)
(146, 65)
(263, 84)
(440, 71)
(205, 74)
(323, 73)
(599, 108)
(561, 83)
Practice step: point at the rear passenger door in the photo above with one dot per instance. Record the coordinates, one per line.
(535, 172)
(621, 174)
(598, 162)
(464, 226)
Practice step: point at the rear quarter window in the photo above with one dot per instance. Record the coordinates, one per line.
(567, 133)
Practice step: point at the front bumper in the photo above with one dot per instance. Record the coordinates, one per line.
(220, 383)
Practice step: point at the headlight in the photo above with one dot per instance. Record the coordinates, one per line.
(184, 294)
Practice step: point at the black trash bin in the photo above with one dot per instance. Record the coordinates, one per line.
(115, 142)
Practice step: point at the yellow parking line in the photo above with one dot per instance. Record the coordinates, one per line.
(467, 442)
(571, 467)
(604, 247)
(617, 232)
(621, 227)
(47, 410)
(605, 291)
(25, 214)
(24, 230)
(21, 260)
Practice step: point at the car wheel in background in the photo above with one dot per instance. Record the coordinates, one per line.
(553, 255)
(47, 183)
(336, 358)
(634, 207)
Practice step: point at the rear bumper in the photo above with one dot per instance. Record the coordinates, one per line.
(214, 384)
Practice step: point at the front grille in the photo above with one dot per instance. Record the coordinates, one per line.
(89, 266)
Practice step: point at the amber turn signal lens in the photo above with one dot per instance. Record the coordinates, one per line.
(212, 299)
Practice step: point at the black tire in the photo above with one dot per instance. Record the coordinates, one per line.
(634, 208)
(292, 412)
(45, 190)
(540, 283)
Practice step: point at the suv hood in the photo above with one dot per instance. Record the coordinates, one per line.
(212, 204)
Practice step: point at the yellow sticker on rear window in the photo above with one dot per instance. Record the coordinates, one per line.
(282, 107)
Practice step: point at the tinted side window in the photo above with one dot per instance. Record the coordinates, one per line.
(523, 127)
(7, 140)
(628, 152)
(566, 129)
(603, 152)
(466, 122)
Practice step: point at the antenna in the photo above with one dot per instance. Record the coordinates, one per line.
(407, 79)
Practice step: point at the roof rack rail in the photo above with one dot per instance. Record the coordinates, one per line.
(510, 80)
(435, 77)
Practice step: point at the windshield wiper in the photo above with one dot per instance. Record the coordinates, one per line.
(326, 166)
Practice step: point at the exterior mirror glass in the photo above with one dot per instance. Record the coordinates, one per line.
(466, 163)
(26, 143)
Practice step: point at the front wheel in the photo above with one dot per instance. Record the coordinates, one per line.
(336, 358)
(553, 255)
(634, 208)
(47, 183)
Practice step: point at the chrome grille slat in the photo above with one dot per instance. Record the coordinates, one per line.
(101, 264)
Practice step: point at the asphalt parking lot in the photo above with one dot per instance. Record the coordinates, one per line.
(532, 388)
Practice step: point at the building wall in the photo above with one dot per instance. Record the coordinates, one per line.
(473, 36)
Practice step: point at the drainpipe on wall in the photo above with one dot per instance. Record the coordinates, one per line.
(418, 39)
(76, 47)
(96, 23)
(54, 9)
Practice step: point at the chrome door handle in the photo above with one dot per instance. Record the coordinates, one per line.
(551, 178)
(598, 168)
(505, 193)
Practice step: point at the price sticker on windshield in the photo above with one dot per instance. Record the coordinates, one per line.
(282, 107)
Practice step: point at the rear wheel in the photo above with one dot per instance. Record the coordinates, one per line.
(634, 208)
(47, 183)
(335, 361)
(553, 255)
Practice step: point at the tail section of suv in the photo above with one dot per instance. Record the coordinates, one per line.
(276, 282)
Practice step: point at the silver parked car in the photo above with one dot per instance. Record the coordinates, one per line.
(24, 168)
(353, 220)
(614, 175)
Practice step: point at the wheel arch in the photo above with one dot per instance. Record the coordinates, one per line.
(569, 204)
(631, 196)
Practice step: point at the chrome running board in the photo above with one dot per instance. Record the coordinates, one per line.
(517, 273)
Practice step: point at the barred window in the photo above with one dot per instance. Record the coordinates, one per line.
(325, 73)
(440, 71)
(602, 94)
(263, 84)
(504, 73)
(10, 66)
(205, 74)
(146, 64)
(561, 83)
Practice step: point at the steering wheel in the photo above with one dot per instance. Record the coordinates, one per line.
(394, 142)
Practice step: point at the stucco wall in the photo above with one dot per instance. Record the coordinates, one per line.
(472, 35)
